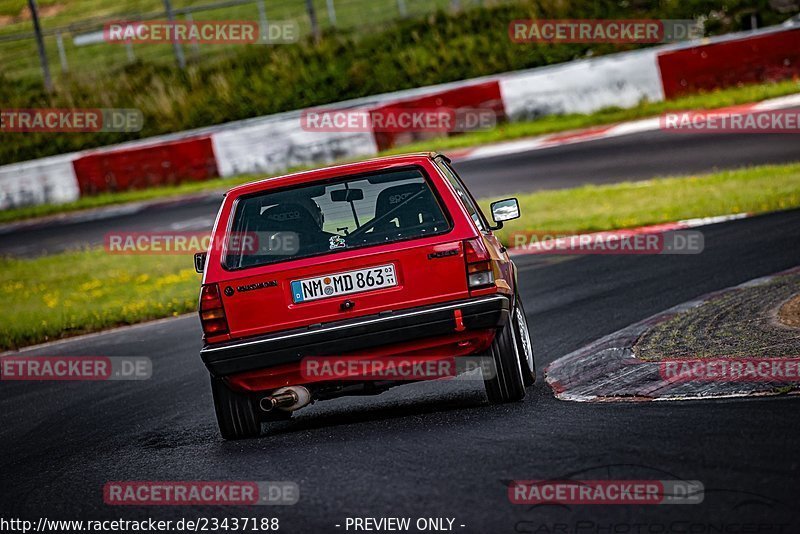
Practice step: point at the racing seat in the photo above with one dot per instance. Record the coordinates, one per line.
(422, 209)
(296, 227)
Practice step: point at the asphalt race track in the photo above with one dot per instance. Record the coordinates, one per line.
(630, 157)
(432, 449)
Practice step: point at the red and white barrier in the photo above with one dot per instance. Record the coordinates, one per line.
(140, 167)
(584, 86)
(276, 143)
(41, 181)
(270, 147)
(761, 57)
(484, 95)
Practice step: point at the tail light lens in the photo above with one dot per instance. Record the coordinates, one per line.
(479, 265)
(212, 313)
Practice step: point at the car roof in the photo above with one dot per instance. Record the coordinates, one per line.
(374, 164)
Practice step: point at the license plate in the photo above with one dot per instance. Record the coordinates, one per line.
(333, 285)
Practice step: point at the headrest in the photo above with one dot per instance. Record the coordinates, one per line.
(288, 216)
(391, 197)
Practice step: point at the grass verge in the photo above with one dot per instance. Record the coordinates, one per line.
(736, 324)
(630, 204)
(504, 132)
(84, 291)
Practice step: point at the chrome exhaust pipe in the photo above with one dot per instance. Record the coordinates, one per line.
(289, 398)
(279, 400)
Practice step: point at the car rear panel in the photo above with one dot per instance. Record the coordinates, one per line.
(428, 269)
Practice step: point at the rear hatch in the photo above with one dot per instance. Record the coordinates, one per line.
(347, 248)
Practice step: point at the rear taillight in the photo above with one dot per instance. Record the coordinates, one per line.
(212, 314)
(479, 266)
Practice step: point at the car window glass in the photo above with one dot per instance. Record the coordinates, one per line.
(323, 218)
(464, 195)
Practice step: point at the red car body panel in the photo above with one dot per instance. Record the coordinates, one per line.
(445, 347)
(421, 280)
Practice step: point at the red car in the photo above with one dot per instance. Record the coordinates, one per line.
(382, 259)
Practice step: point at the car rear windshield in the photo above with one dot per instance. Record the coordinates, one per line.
(322, 218)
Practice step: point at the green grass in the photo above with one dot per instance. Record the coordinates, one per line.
(76, 292)
(505, 132)
(20, 60)
(629, 204)
(348, 12)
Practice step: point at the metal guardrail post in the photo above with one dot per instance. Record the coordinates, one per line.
(37, 28)
(262, 20)
(312, 15)
(402, 8)
(331, 12)
(129, 50)
(62, 54)
(195, 45)
(176, 46)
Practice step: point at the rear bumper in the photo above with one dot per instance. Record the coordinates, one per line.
(239, 356)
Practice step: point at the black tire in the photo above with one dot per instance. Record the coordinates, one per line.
(523, 337)
(507, 383)
(237, 414)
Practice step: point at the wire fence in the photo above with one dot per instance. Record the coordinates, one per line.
(80, 47)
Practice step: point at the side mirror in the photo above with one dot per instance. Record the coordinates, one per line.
(504, 210)
(200, 261)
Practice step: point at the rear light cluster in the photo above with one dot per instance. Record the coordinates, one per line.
(479, 266)
(212, 313)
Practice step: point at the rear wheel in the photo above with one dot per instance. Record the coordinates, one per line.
(237, 413)
(524, 344)
(507, 383)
